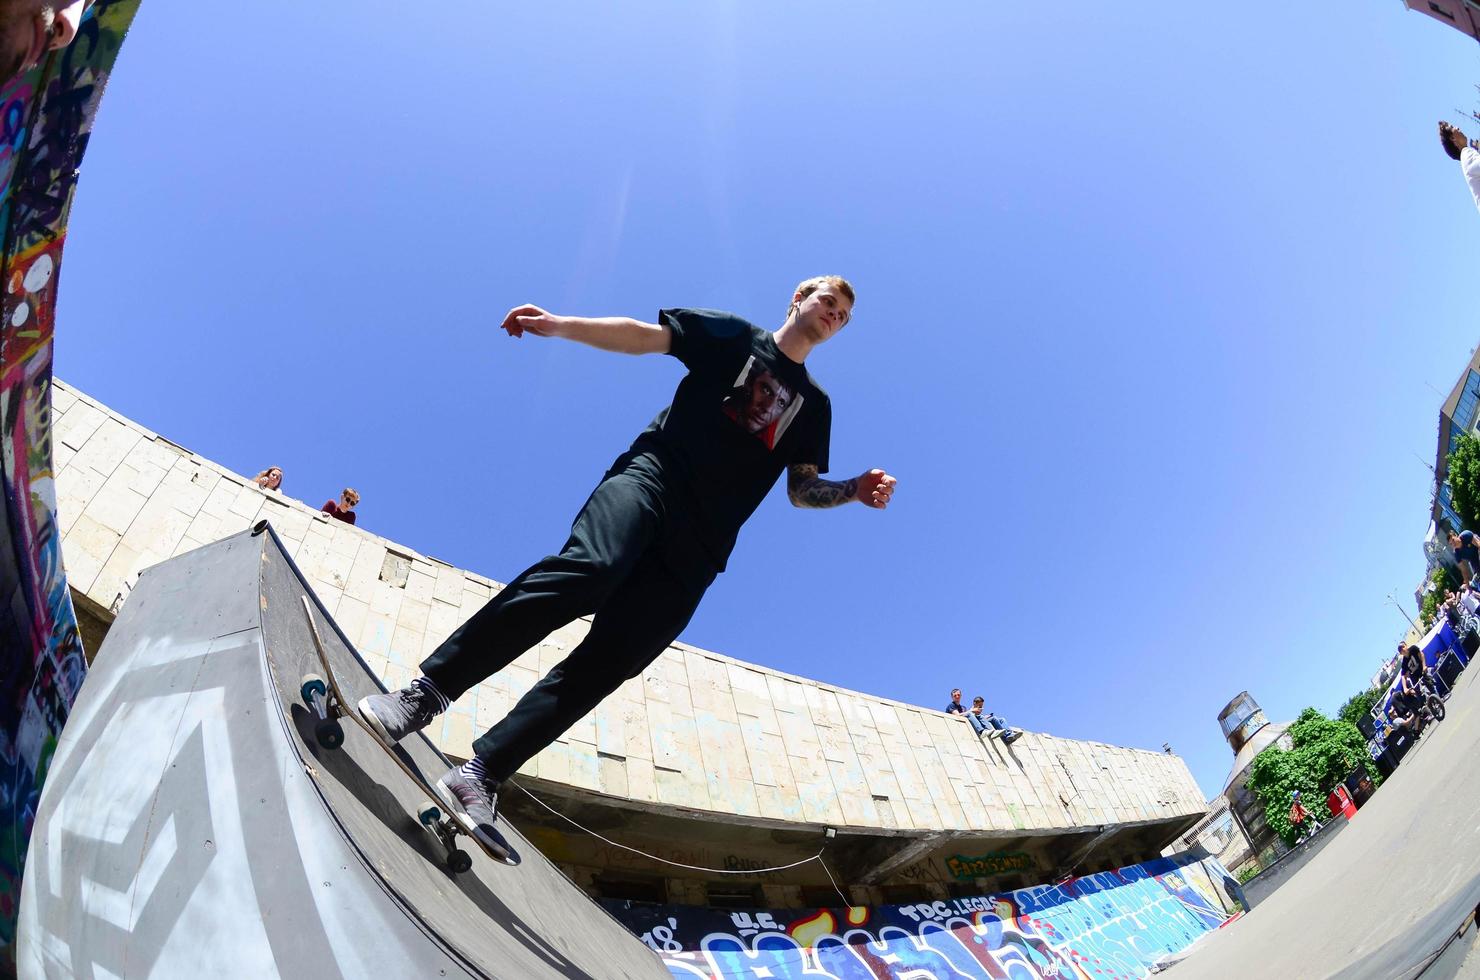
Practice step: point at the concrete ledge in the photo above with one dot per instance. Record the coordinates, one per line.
(1259, 887)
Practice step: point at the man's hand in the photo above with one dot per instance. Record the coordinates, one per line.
(621, 334)
(875, 488)
(531, 319)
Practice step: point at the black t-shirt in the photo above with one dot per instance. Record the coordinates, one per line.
(743, 413)
(1413, 664)
(1468, 551)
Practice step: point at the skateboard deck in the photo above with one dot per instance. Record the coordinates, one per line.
(329, 704)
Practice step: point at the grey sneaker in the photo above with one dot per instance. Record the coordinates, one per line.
(474, 804)
(395, 715)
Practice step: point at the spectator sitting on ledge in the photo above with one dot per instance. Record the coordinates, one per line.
(270, 478)
(981, 722)
(344, 507)
(955, 707)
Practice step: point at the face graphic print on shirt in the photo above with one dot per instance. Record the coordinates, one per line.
(760, 403)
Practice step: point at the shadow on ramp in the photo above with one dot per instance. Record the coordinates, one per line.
(191, 824)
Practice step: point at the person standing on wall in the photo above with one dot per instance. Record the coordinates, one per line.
(653, 534)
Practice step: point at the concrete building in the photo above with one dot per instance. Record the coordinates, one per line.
(704, 760)
(1234, 830)
(1249, 732)
(1462, 15)
(1220, 835)
(1459, 413)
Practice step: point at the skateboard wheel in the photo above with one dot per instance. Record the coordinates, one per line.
(330, 733)
(459, 861)
(429, 814)
(310, 685)
(259, 527)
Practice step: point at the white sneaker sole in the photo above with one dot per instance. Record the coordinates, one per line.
(455, 810)
(374, 723)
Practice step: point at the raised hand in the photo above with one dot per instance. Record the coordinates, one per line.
(875, 488)
(531, 319)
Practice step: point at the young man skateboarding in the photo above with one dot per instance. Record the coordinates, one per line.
(652, 535)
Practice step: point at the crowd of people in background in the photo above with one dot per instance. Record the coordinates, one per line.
(1416, 703)
(985, 724)
(342, 508)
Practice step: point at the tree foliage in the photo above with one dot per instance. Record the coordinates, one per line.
(1324, 752)
(1464, 479)
(1443, 583)
(1359, 706)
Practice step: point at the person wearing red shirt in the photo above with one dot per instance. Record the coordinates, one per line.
(344, 507)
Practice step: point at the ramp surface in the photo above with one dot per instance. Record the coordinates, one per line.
(191, 824)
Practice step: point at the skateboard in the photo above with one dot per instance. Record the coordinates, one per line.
(323, 696)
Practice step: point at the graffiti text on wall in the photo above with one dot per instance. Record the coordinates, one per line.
(985, 865)
(1101, 927)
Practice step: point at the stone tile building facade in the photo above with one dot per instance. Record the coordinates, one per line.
(706, 759)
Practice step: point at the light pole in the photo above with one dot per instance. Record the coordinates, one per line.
(1394, 603)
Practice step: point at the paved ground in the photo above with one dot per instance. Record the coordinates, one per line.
(1383, 896)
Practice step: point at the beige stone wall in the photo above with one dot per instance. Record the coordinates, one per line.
(697, 730)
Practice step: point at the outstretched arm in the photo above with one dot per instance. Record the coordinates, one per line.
(807, 489)
(621, 334)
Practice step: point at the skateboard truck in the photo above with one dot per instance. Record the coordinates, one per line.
(315, 693)
(432, 819)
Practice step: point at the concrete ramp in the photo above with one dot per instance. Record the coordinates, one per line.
(190, 825)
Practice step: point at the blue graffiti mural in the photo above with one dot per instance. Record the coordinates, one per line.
(1113, 925)
(46, 117)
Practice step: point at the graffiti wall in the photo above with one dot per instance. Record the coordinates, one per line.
(46, 117)
(1108, 926)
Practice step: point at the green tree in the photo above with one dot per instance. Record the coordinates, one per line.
(1359, 706)
(1464, 479)
(1323, 752)
(1444, 582)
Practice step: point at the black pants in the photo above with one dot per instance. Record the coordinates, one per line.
(631, 563)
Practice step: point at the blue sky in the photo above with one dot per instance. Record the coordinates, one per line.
(1156, 310)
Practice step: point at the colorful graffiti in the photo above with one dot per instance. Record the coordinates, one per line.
(1109, 926)
(46, 120)
(985, 865)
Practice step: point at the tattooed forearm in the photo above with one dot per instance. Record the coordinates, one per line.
(807, 489)
(817, 492)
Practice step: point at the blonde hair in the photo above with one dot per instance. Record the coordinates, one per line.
(352, 494)
(809, 286)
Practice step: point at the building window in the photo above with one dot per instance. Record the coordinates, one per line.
(1440, 11)
(1469, 400)
(735, 897)
(631, 888)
